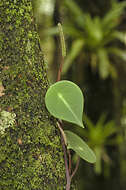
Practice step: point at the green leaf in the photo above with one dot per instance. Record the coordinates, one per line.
(103, 63)
(98, 164)
(118, 52)
(95, 36)
(73, 32)
(120, 36)
(76, 48)
(80, 147)
(76, 12)
(111, 19)
(64, 100)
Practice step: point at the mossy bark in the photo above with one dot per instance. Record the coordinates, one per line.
(31, 156)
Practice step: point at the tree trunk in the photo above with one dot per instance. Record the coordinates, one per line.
(31, 156)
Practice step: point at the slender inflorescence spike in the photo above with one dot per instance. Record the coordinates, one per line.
(63, 47)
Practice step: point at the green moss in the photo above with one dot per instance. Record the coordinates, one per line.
(31, 153)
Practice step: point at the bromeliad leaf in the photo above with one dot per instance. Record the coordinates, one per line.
(76, 48)
(64, 100)
(79, 146)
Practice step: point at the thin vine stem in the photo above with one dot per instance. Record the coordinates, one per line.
(63, 141)
(66, 166)
(76, 167)
(69, 156)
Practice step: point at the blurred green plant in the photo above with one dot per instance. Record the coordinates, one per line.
(123, 118)
(100, 135)
(94, 37)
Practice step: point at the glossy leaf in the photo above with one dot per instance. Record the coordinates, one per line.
(64, 100)
(80, 147)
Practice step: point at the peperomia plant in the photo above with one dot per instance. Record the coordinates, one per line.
(64, 100)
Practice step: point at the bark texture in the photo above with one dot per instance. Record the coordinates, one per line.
(31, 156)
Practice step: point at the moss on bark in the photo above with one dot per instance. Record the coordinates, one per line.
(31, 156)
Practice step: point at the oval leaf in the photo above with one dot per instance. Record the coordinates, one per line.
(64, 100)
(80, 147)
